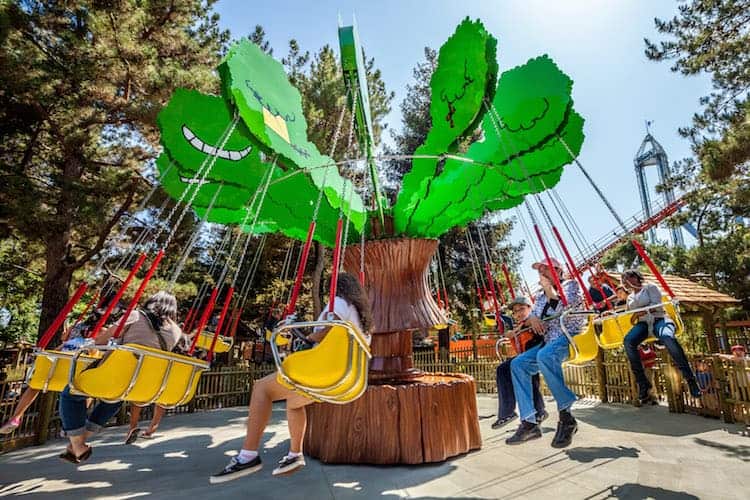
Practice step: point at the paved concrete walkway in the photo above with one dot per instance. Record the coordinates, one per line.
(619, 452)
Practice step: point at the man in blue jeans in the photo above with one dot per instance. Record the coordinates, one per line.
(506, 412)
(548, 358)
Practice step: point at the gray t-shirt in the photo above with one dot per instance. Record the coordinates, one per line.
(648, 295)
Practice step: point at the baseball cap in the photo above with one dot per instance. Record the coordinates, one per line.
(555, 263)
(520, 299)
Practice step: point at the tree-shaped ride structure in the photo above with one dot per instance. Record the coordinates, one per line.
(224, 149)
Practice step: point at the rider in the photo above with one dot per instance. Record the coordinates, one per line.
(547, 358)
(521, 309)
(351, 305)
(653, 321)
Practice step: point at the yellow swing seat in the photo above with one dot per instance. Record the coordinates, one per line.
(52, 368)
(280, 341)
(583, 347)
(140, 375)
(615, 327)
(223, 344)
(489, 321)
(334, 371)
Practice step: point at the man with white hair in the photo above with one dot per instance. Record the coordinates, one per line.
(547, 358)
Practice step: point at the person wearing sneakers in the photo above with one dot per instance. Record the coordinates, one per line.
(351, 305)
(521, 309)
(547, 358)
(651, 322)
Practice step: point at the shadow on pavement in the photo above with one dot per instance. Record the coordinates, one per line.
(589, 454)
(639, 491)
(657, 420)
(741, 451)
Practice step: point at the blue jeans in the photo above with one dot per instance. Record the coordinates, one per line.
(664, 331)
(548, 360)
(506, 395)
(73, 414)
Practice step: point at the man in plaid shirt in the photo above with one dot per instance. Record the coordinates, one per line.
(547, 358)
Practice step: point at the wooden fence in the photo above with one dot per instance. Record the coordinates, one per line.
(725, 384)
(218, 388)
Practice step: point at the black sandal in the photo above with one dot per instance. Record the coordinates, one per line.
(132, 436)
(69, 456)
(500, 422)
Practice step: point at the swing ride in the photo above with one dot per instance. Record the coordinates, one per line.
(244, 159)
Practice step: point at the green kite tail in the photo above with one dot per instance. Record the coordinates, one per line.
(465, 75)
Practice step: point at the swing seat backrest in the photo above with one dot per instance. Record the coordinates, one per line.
(334, 371)
(280, 341)
(614, 328)
(141, 375)
(223, 344)
(586, 347)
(52, 368)
(489, 321)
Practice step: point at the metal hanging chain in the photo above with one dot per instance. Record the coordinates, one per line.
(565, 224)
(348, 200)
(471, 259)
(193, 240)
(120, 236)
(442, 280)
(475, 255)
(296, 266)
(127, 257)
(205, 285)
(528, 235)
(250, 276)
(255, 220)
(594, 185)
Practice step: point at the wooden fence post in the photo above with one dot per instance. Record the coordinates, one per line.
(601, 377)
(719, 373)
(46, 410)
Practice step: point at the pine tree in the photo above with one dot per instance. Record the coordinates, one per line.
(82, 85)
(713, 37)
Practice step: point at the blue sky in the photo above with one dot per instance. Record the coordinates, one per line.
(599, 43)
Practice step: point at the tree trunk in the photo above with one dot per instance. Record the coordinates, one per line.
(59, 268)
(320, 263)
(56, 281)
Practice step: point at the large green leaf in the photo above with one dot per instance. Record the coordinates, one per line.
(465, 74)
(272, 110)
(518, 155)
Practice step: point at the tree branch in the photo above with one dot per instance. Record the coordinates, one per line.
(108, 227)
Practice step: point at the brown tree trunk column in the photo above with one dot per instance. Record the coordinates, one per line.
(405, 416)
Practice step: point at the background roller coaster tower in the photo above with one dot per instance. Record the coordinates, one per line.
(651, 153)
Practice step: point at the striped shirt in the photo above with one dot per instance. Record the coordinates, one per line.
(573, 324)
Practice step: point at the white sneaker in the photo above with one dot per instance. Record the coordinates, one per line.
(289, 465)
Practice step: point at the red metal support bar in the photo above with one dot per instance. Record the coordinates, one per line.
(235, 323)
(118, 296)
(139, 292)
(57, 323)
(498, 320)
(222, 316)
(300, 271)
(335, 270)
(655, 270)
(509, 282)
(573, 269)
(553, 272)
(188, 319)
(204, 318)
